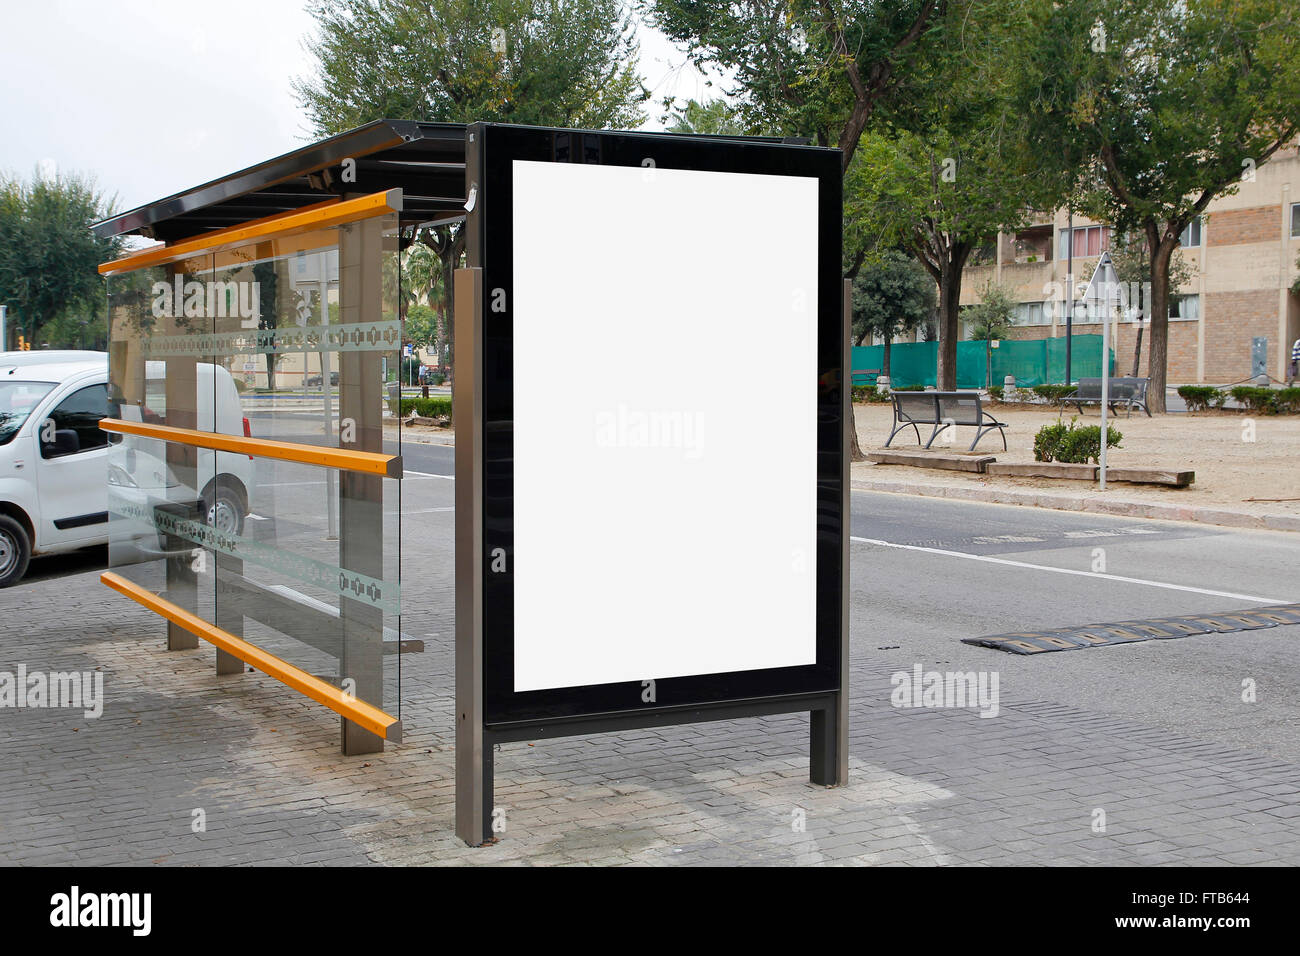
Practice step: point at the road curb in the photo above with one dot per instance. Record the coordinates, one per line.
(415, 437)
(1120, 507)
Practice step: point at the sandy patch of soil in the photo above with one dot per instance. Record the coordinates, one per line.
(1230, 468)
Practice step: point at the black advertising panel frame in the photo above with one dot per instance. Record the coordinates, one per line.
(489, 709)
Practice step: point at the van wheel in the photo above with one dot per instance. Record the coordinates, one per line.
(15, 551)
(223, 509)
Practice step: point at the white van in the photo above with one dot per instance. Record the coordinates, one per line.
(50, 357)
(55, 461)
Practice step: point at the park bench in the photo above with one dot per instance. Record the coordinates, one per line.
(1128, 392)
(864, 376)
(943, 409)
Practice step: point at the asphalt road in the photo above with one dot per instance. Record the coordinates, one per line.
(952, 570)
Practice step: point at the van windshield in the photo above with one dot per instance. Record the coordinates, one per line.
(17, 399)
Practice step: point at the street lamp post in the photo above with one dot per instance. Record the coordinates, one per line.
(1069, 293)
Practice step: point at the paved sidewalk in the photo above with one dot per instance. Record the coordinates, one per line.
(927, 786)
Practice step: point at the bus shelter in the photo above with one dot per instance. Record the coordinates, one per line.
(626, 553)
(262, 518)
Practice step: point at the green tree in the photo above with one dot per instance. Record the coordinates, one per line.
(48, 255)
(566, 63)
(713, 118)
(274, 309)
(426, 323)
(422, 328)
(422, 272)
(1132, 260)
(992, 316)
(955, 165)
(937, 196)
(84, 327)
(395, 286)
(891, 295)
(815, 68)
(1156, 107)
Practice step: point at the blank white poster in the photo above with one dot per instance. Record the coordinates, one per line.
(665, 444)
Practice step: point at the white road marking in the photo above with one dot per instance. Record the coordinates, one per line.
(988, 559)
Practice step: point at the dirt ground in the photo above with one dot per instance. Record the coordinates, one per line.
(1230, 468)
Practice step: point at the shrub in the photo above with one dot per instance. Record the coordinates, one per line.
(1053, 393)
(1200, 397)
(869, 394)
(1082, 445)
(425, 407)
(996, 392)
(1256, 398)
(1270, 401)
(1047, 443)
(1075, 444)
(1287, 401)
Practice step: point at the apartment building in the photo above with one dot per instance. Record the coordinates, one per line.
(1234, 318)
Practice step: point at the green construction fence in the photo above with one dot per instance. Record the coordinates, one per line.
(1030, 361)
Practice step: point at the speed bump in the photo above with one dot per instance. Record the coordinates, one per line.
(1129, 632)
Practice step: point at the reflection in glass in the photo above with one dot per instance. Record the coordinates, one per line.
(287, 340)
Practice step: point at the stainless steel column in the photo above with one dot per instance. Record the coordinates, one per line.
(361, 518)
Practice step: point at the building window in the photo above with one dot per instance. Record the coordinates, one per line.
(1185, 307)
(1083, 315)
(1032, 313)
(1295, 220)
(1191, 235)
(1088, 241)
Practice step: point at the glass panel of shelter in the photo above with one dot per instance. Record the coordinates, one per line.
(286, 339)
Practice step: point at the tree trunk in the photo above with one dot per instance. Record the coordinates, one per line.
(855, 449)
(884, 362)
(1144, 275)
(949, 295)
(440, 334)
(1162, 249)
(451, 253)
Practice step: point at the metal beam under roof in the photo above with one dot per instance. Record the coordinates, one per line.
(435, 153)
(425, 160)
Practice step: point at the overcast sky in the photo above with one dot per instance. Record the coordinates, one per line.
(152, 97)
